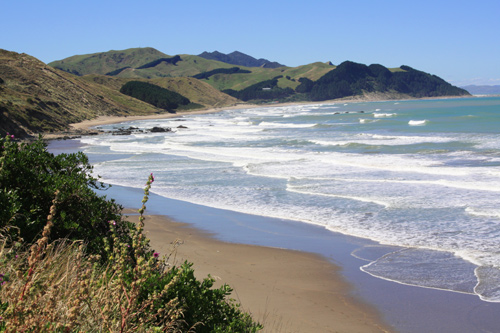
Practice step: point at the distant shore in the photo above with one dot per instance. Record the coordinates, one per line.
(85, 127)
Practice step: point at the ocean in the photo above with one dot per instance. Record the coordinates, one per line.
(420, 178)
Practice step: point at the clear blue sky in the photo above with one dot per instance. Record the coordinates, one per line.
(454, 39)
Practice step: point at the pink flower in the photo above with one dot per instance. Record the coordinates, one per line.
(152, 178)
(156, 254)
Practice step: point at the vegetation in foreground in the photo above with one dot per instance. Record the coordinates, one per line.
(69, 262)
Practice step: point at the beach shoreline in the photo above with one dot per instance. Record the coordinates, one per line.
(285, 290)
(398, 307)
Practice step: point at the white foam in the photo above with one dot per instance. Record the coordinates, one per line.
(384, 115)
(417, 122)
(284, 125)
(483, 212)
(391, 140)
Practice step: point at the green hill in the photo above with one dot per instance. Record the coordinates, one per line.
(106, 62)
(353, 79)
(312, 82)
(36, 98)
(145, 63)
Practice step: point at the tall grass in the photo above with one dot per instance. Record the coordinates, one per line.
(56, 287)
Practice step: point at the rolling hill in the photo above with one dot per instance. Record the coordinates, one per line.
(148, 63)
(37, 98)
(312, 82)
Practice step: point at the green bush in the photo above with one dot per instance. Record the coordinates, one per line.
(47, 199)
(29, 177)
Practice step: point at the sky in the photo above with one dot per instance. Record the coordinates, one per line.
(456, 40)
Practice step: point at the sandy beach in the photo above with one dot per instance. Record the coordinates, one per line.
(287, 291)
(84, 127)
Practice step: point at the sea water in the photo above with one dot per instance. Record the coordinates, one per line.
(420, 177)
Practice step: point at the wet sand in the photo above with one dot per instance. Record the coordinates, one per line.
(287, 291)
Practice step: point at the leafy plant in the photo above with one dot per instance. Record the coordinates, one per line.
(90, 272)
(29, 177)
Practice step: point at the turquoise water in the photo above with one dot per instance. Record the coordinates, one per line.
(422, 175)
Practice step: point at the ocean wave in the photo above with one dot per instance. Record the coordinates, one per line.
(376, 201)
(488, 285)
(425, 268)
(483, 212)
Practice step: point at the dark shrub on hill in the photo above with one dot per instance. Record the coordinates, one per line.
(305, 85)
(117, 71)
(421, 84)
(232, 70)
(263, 90)
(154, 63)
(154, 95)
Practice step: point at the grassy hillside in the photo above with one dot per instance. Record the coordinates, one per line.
(241, 81)
(105, 62)
(195, 90)
(37, 98)
(329, 81)
(127, 63)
